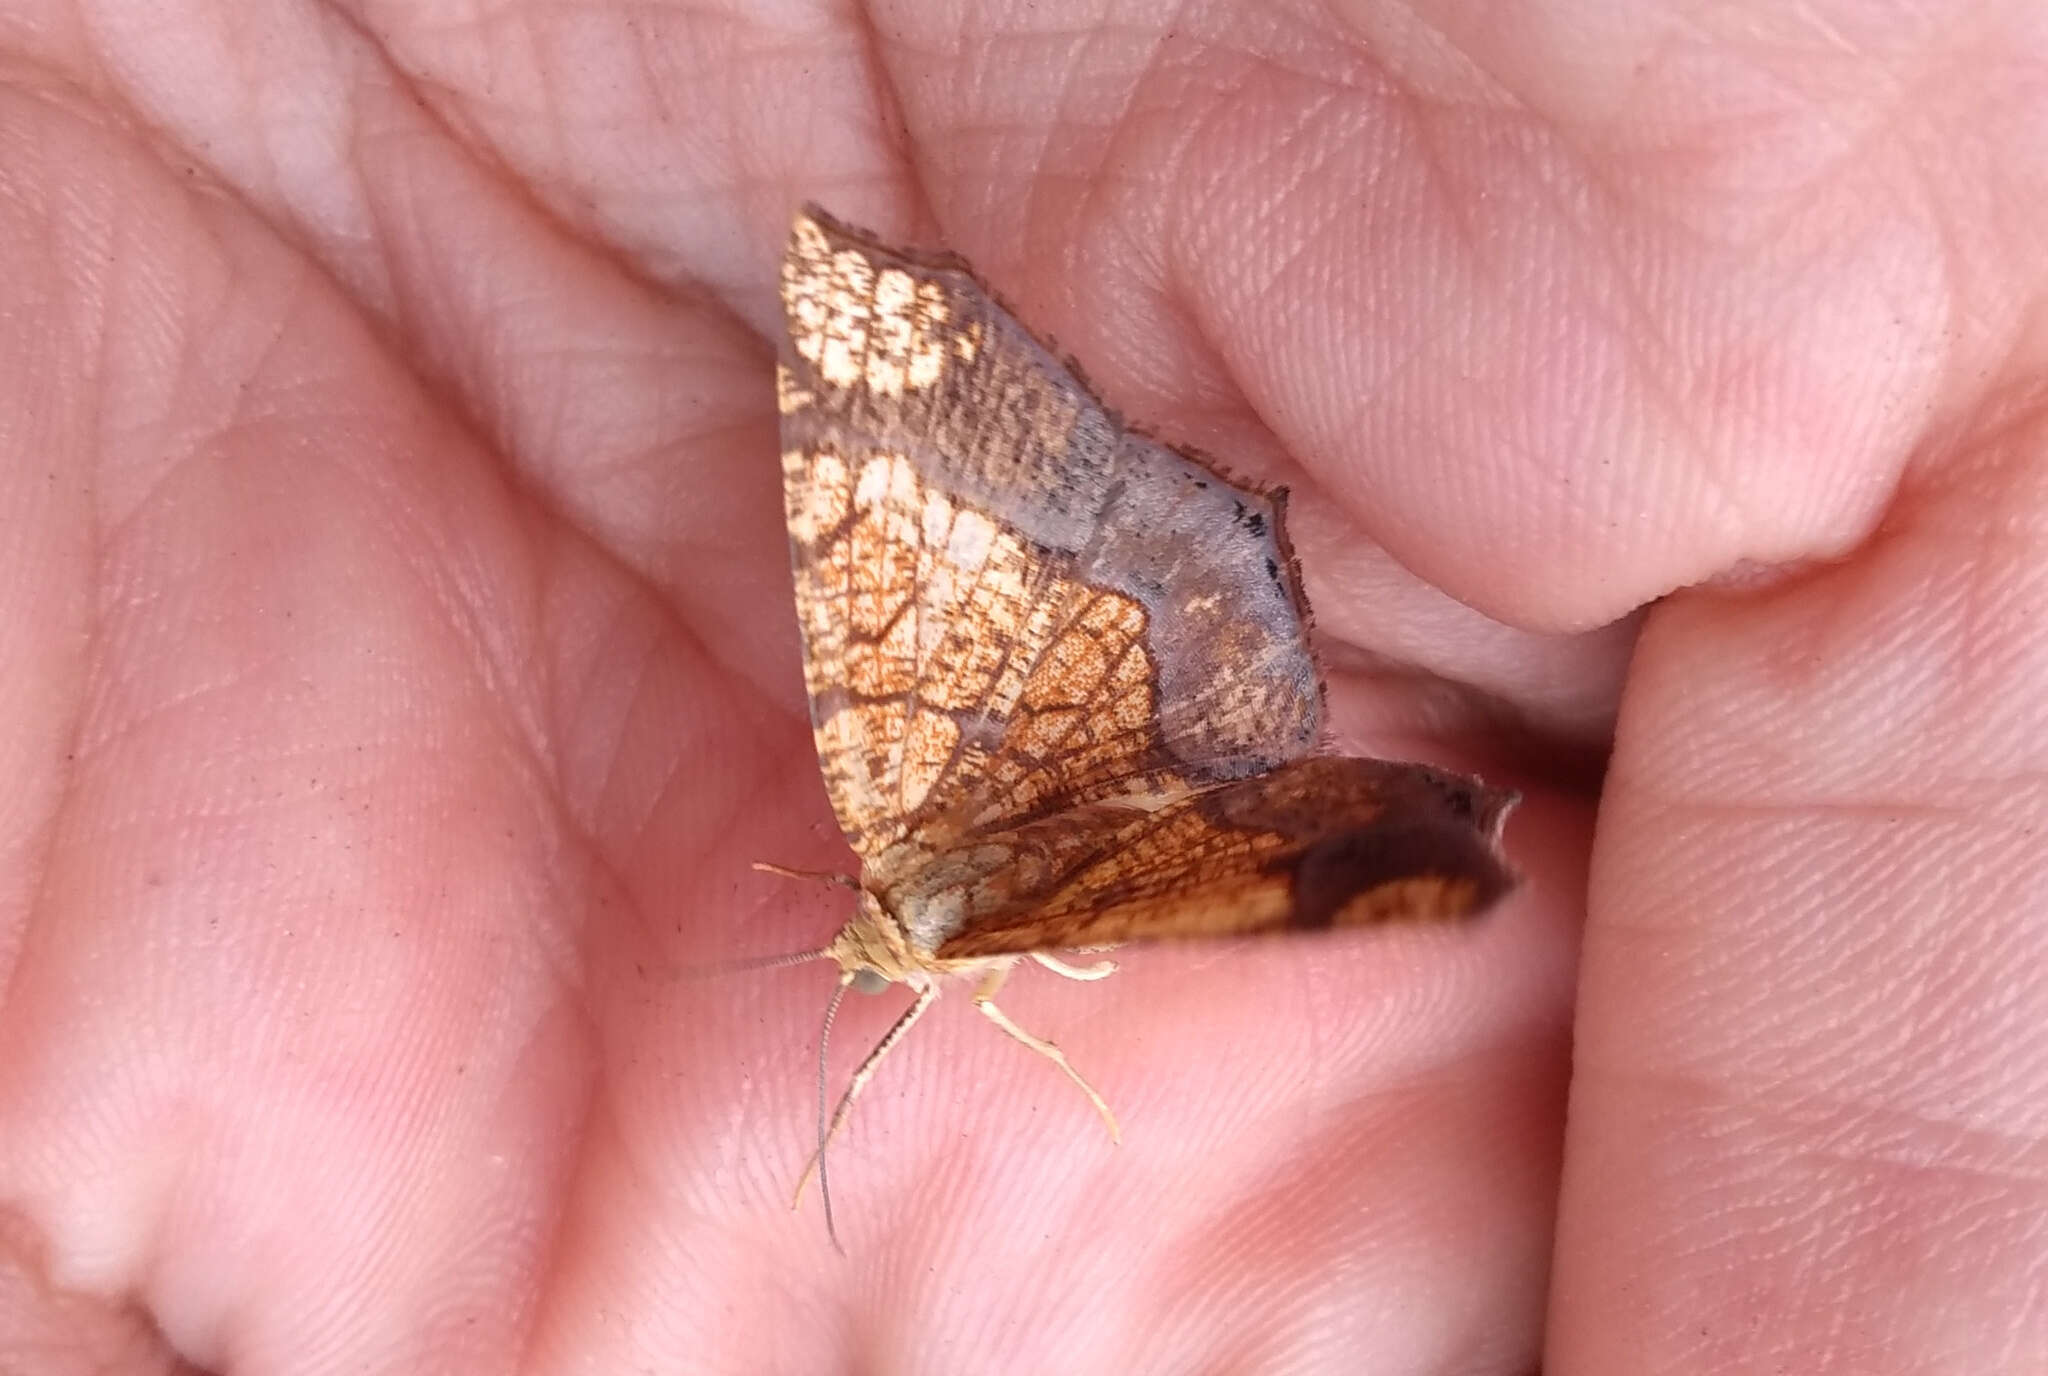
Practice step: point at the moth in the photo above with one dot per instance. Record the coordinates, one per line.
(1059, 671)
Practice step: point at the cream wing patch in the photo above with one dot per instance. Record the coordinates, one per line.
(882, 329)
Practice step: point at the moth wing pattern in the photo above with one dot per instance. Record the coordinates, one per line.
(1012, 604)
(1317, 843)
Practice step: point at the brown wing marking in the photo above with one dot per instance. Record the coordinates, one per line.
(1318, 843)
(1012, 605)
(923, 623)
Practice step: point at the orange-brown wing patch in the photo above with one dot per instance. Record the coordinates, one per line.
(1317, 843)
(921, 622)
(1012, 604)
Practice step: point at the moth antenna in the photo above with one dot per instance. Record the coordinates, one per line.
(726, 967)
(833, 877)
(824, 1047)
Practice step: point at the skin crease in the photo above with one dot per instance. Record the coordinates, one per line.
(400, 674)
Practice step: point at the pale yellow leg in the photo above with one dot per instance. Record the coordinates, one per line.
(984, 999)
(1099, 970)
(860, 1080)
(844, 881)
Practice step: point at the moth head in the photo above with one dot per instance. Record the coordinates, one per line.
(870, 948)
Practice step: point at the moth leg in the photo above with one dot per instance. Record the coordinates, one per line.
(984, 999)
(860, 1081)
(844, 881)
(1098, 970)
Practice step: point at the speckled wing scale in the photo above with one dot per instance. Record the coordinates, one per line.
(1059, 672)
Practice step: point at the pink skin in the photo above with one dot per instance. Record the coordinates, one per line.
(399, 676)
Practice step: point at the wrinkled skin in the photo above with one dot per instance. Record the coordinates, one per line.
(399, 676)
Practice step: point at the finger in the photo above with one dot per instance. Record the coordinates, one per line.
(1806, 1127)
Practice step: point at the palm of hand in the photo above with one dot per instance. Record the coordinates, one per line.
(405, 676)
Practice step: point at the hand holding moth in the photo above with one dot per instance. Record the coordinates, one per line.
(402, 675)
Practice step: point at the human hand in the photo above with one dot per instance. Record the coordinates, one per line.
(404, 677)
